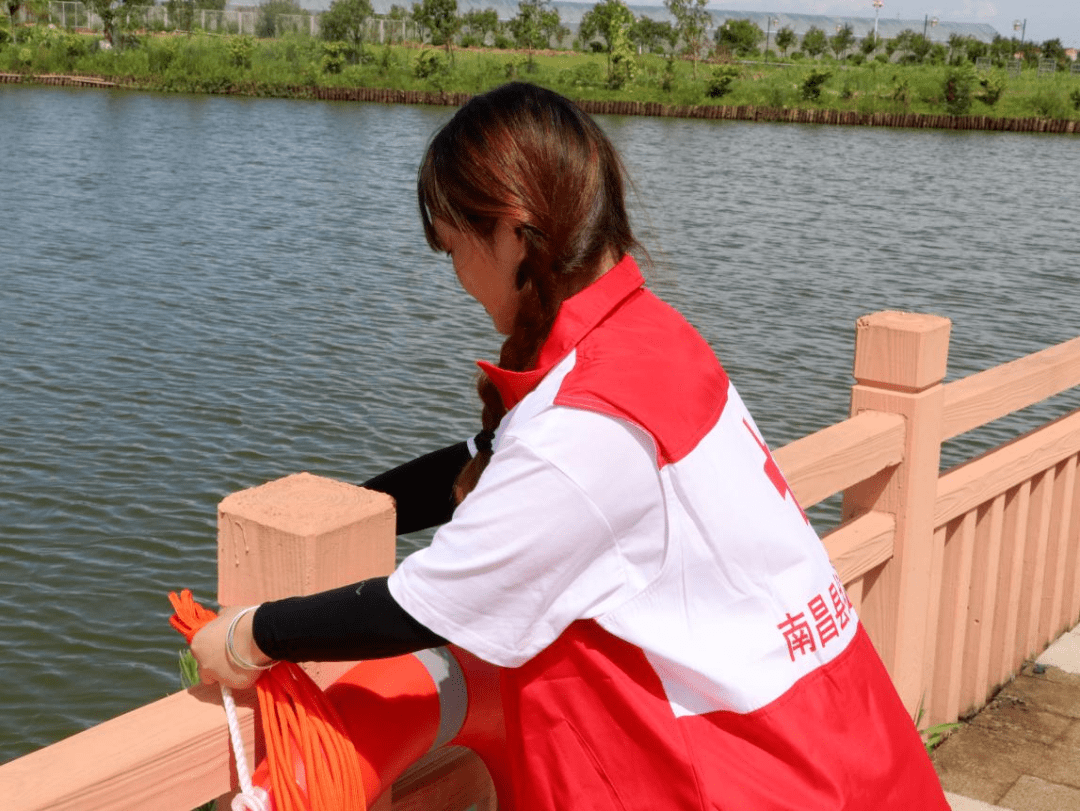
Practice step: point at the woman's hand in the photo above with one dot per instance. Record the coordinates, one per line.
(209, 649)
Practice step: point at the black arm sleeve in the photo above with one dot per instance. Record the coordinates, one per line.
(423, 488)
(361, 621)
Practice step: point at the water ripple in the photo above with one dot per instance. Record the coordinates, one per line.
(201, 294)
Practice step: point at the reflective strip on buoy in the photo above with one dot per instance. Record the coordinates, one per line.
(449, 681)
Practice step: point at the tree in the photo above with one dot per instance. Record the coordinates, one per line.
(611, 21)
(870, 43)
(814, 41)
(920, 47)
(650, 35)
(115, 15)
(843, 39)
(481, 23)
(974, 48)
(440, 17)
(181, 14)
(740, 37)
(267, 23)
(346, 21)
(1002, 50)
(785, 38)
(1053, 49)
(12, 7)
(692, 21)
(956, 44)
(535, 25)
(397, 14)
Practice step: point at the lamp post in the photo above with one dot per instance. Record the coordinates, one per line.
(877, 7)
(931, 22)
(768, 28)
(1021, 27)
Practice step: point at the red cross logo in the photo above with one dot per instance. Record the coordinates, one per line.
(772, 470)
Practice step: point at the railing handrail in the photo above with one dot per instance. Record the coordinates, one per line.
(983, 397)
(964, 487)
(174, 753)
(828, 461)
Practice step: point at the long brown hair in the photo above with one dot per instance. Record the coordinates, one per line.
(531, 155)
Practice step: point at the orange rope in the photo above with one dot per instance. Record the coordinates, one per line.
(293, 711)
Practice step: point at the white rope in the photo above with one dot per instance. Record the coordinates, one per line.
(250, 798)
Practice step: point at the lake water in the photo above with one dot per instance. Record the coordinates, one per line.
(200, 294)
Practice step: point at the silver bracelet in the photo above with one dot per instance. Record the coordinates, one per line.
(235, 659)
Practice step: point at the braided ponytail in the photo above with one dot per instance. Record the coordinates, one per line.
(530, 155)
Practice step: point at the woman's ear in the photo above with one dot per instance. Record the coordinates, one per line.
(509, 243)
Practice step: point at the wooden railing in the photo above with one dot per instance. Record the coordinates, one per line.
(957, 577)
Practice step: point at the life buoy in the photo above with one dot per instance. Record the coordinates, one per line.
(397, 710)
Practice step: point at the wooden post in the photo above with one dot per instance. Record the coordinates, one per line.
(300, 535)
(900, 361)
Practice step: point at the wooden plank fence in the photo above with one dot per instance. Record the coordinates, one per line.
(959, 577)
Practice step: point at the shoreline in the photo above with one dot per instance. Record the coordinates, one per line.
(746, 112)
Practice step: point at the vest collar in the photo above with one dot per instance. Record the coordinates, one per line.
(577, 317)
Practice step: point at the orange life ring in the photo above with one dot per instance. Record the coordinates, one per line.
(397, 710)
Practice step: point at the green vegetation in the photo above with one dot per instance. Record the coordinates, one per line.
(873, 76)
(611, 21)
(934, 735)
(740, 37)
(692, 21)
(189, 677)
(346, 22)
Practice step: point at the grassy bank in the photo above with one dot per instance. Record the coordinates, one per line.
(203, 63)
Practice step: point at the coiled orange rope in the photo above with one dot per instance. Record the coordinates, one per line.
(296, 720)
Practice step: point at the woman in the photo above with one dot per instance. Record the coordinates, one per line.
(618, 539)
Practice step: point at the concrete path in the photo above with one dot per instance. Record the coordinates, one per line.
(1022, 751)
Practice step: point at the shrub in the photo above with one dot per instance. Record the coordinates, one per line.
(334, 57)
(1074, 97)
(514, 66)
(386, 59)
(588, 74)
(901, 92)
(993, 86)
(958, 89)
(161, 55)
(797, 56)
(1049, 104)
(719, 85)
(811, 86)
(428, 64)
(668, 81)
(240, 50)
(775, 96)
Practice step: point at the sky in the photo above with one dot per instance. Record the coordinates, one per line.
(1046, 19)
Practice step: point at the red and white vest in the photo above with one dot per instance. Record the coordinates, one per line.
(672, 633)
